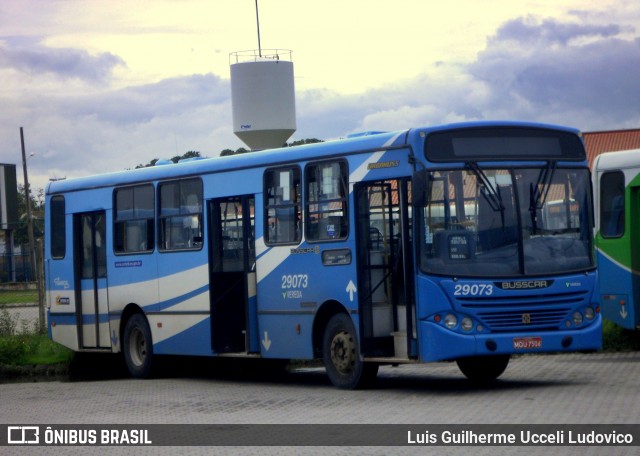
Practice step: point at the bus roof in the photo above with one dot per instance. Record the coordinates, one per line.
(264, 158)
(368, 141)
(617, 160)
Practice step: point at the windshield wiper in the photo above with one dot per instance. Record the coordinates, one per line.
(491, 193)
(538, 193)
(539, 196)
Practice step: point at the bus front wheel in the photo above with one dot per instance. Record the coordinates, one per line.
(341, 355)
(137, 347)
(483, 369)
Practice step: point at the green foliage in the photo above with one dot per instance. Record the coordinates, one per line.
(616, 339)
(175, 159)
(21, 345)
(21, 235)
(8, 323)
(18, 296)
(42, 350)
(12, 349)
(227, 152)
(32, 349)
(304, 141)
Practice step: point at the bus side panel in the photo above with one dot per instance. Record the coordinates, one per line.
(293, 284)
(61, 302)
(180, 320)
(616, 292)
(618, 265)
(283, 309)
(132, 280)
(60, 290)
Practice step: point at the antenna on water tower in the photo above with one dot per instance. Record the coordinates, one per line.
(262, 95)
(258, 25)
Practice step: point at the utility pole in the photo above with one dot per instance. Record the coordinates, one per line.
(32, 244)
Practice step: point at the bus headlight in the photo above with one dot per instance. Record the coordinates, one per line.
(577, 318)
(450, 321)
(589, 313)
(466, 324)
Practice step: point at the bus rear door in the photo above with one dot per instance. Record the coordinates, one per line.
(90, 258)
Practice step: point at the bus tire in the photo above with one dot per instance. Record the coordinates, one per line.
(341, 355)
(138, 347)
(483, 369)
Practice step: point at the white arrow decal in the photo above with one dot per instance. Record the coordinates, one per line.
(351, 289)
(266, 342)
(624, 313)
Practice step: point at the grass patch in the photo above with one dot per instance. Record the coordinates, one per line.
(618, 339)
(18, 296)
(32, 349)
(27, 347)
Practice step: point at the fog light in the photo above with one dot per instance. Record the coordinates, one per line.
(589, 313)
(466, 324)
(450, 321)
(577, 318)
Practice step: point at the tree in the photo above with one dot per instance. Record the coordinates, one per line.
(20, 234)
(176, 159)
(228, 152)
(301, 142)
(242, 150)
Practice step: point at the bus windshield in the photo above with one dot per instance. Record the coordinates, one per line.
(493, 222)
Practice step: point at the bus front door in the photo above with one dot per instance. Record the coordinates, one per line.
(384, 256)
(91, 280)
(232, 274)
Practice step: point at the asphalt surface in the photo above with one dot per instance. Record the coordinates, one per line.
(553, 389)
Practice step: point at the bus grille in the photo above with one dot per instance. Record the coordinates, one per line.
(523, 313)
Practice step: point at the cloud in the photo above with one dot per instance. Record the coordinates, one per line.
(548, 70)
(531, 31)
(544, 70)
(27, 56)
(582, 74)
(140, 104)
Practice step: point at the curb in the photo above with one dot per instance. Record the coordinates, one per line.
(32, 374)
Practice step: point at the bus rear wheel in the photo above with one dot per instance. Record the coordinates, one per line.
(483, 369)
(138, 347)
(341, 355)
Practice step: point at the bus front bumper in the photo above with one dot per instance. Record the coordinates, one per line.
(441, 344)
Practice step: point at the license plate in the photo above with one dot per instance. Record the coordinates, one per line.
(525, 343)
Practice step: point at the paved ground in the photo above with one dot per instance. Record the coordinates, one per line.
(578, 389)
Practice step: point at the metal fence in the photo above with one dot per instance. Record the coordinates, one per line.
(22, 303)
(16, 268)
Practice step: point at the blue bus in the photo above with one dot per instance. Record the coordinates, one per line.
(429, 244)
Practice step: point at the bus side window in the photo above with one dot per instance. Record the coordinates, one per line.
(612, 204)
(58, 227)
(134, 219)
(180, 215)
(283, 206)
(326, 202)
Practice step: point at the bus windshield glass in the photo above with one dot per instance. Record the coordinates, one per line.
(494, 222)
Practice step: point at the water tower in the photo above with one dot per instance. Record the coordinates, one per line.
(263, 97)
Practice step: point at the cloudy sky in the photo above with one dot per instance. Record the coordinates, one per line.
(103, 85)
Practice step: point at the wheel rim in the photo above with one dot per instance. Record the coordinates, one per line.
(343, 352)
(138, 347)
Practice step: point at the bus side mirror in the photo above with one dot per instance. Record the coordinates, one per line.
(421, 188)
